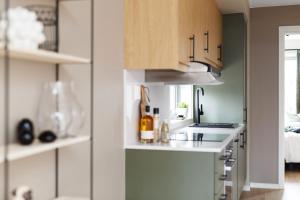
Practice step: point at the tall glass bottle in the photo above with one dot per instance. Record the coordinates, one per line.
(146, 128)
(156, 124)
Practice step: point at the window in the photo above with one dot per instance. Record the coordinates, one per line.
(181, 94)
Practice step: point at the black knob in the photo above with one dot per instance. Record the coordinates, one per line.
(223, 197)
(47, 137)
(25, 132)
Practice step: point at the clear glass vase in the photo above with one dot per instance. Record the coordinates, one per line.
(59, 111)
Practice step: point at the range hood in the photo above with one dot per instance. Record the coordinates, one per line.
(197, 74)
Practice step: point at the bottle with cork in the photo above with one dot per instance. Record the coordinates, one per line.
(147, 127)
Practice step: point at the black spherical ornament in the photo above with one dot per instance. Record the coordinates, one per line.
(25, 132)
(47, 137)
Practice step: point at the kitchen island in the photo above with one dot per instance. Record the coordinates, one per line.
(187, 170)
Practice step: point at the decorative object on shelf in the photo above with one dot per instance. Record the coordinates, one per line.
(59, 110)
(145, 99)
(47, 16)
(22, 193)
(47, 137)
(156, 125)
(25, 132)
(165, 132)
(146, 127)
(24, 31)
(182, 110)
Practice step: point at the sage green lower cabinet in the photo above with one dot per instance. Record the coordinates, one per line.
(167, 175)
(242, 162)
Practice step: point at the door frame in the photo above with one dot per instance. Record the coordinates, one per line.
(283, 30)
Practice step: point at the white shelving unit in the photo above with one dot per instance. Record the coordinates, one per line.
(17, 151)
(43, 56)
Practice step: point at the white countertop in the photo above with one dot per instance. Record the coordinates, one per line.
(193, 146)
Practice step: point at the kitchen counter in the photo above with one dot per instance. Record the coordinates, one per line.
(193, 146)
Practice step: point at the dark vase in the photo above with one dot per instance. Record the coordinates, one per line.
(25, 132)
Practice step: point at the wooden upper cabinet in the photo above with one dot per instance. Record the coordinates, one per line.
(186, 31)
(201, 29)
(215, 34)
(168, 34)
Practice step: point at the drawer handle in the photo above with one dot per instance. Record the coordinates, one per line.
(223, 177)
(220, 47)
(223, 158)
(223, 197)
(192, 56)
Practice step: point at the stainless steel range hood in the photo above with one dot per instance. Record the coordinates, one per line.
(197, 74)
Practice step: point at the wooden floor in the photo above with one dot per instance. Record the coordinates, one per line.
(291, 191)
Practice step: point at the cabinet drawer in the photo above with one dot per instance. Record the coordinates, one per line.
(219, 184)
(219, 163)
(219, 194)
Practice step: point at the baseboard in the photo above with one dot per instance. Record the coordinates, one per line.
(247, 188)
(266, 186)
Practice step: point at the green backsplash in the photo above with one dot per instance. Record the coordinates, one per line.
(225, 103)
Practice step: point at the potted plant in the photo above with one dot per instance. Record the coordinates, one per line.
(182, 110)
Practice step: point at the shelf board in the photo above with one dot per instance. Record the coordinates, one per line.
(17, 151)
(72, 198)
(44, 56)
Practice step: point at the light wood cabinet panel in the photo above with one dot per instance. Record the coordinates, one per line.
(215, 34)
(150, 29)
(219, 38)
(169, 34)
(186, 30)
(151, 34)
(201, 28)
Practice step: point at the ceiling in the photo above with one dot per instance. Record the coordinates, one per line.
(268, 3)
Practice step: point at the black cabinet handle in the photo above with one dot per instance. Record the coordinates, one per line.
(192, 56)
(242, 145)
(223, 177)
(223, 158)
(223, 197)
(236, 140)
(220, 47)
(206, 34)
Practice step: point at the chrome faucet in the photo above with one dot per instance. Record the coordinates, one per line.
(199, 108)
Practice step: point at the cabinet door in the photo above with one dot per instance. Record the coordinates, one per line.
(186, 30)
(242, 163)
(219, 38)
(234, 171)
(151, 34)
(210, 29)
(213, 35)
(200, 12)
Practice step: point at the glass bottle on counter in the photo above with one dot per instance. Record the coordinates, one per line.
(156, 124)
(146, 127)
(165, 132)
